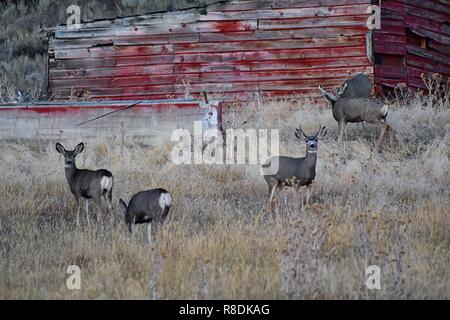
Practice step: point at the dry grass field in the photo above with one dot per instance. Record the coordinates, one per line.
(390, 209)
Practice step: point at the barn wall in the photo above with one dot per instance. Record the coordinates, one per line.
(279, 47)
(414, 39)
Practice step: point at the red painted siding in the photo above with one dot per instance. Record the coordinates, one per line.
(414, 39)
(280, 47)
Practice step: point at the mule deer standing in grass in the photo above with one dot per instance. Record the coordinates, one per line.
(146, 207)
(357, 109)
(295, 172)
(86, 184)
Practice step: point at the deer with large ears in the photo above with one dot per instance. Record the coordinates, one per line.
(294, 172)
(86, 184)
(357, 109)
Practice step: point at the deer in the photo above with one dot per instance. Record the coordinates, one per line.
(146, 207)
(357, 109)
(359, 86)
(294, 172)
(86, 184)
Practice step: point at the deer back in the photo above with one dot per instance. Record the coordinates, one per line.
(358, 109)
(89, 183)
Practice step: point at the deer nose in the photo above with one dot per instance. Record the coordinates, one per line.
(68, 162)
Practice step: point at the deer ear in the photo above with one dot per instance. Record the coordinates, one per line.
(79, 148)
(327, 95)
(323, 132)
(60, 149)
(341, 90)
(299, 134)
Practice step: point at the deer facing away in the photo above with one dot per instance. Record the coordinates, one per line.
(357, 109)
(146, 207)
(295, 172)
(86, 184)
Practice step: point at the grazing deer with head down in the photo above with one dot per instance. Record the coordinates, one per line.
(295, 172)
(146, 207)
(86, 184)
(357, 109)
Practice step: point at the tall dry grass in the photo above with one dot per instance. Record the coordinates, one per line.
(389, 209)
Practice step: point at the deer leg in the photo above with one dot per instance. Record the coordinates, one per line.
(77, 201)
(380, 138)
(309, 190)
(298, 197)
(110, 201)
(149, 232)
(391, 136)
(340, 132)
(342, 126)
(98, 206)
(86, 201)
(271, 194)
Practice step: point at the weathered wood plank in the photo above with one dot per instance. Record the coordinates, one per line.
(430, 6)
(213, 26)
(391, 72)
(434, 16)
(269, 45)
(424, 23)
(392, 83)
(423, 63)
(387, 37)
(431, 56)
(77, 43)
(432, 35)
(335, 21)
(263, 85)
(277, 54)
(240, 76)
(321, 32)
(126, 81)
(81, 72)
(442, 48)
(389, 48)
(286, 64)
(394, 6)
(113, 51)
(278, 4)
(288, 13)
(83, 63)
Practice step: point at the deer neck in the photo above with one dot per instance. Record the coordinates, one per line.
(311, 157)
(70, 171)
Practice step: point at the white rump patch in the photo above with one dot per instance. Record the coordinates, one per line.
(106, 183)
(384, 110)
(165, 200)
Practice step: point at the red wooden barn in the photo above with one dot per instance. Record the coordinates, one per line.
(279, 47)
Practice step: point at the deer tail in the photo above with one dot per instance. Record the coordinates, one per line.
(384, 111)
